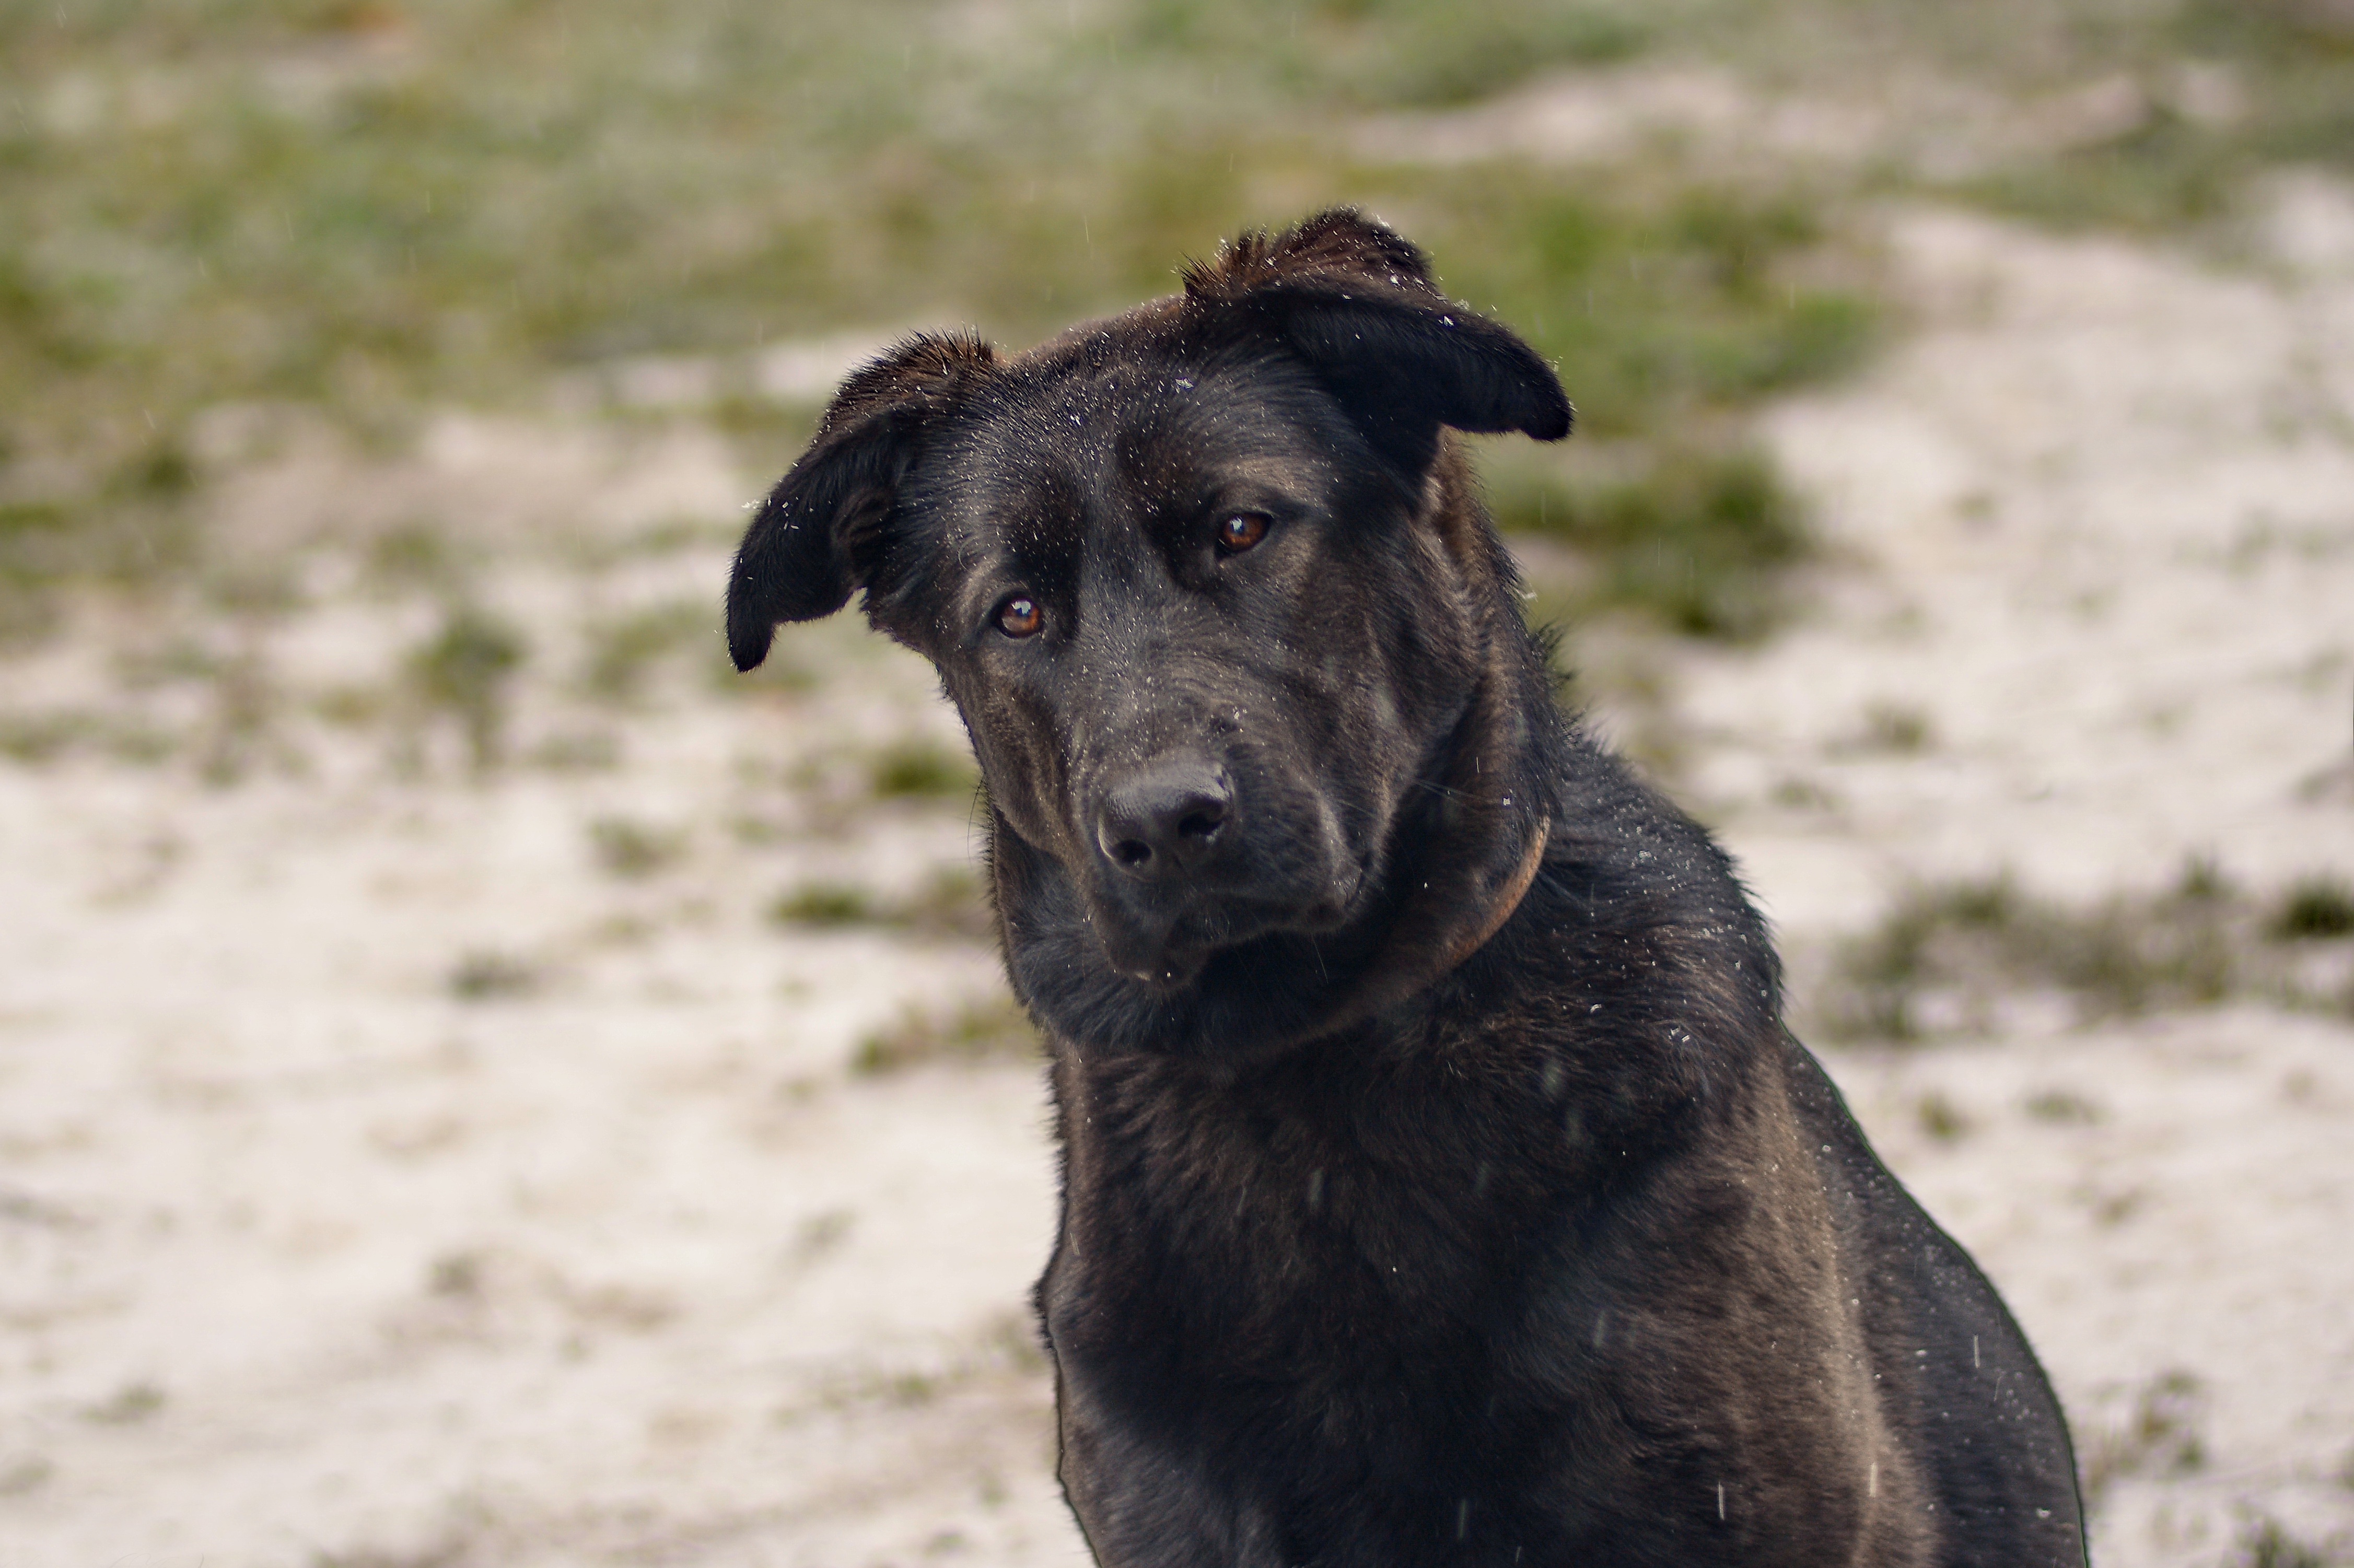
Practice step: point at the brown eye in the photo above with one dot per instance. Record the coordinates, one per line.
(1021, 617)
(1241, 531)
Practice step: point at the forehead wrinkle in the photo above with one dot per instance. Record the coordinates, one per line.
(1019, 513)
(1179, 451)
(1080, 466)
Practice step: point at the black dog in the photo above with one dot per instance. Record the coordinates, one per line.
(1440, 1183)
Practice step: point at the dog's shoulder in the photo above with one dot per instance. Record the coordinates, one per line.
(1638, 909)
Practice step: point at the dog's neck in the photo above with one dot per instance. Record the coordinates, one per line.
(1397, 981)
(1469, 879)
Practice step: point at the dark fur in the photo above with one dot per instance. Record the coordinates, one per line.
(1374, 1252)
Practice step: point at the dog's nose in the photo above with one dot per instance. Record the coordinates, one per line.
(1164, 820)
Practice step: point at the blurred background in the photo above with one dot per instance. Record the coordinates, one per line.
(482, 1083)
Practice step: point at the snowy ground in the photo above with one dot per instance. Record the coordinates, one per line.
(390, 1178)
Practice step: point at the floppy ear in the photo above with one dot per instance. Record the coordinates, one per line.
(818, 533)
(1355, 300)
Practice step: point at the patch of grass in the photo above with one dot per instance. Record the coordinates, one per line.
(2265, 1542)
(2318, 909)
(632, 850)
(48, 546)
(1663, 299)
(414, 555)
(993, 1031)
(1945, 953)
(128, 1406)
(1702, 543)
(2062, 1107)
(258, 208)
(369, 211)
(457, 1274)
(2175, 165)
(237, 733)
(824, 905)
(2203, 878)
(350, 706)
(622, 652)
(33, 540)
(1896, 729)
(483, 975)
(451, 1551)
(920, 769)
(951, 904)
(466, 669)
(34, 738)
(822, 1233)
(25, 1474)
(1798, 794)
(453, 204)
(1941, 1118)
(253, 588)
(592, 751)
(2159, 1437)
(1412, 52)
(2167, 174)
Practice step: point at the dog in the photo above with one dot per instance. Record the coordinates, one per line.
(1440, 1181)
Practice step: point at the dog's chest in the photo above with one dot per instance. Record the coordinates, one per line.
(1329, 1212)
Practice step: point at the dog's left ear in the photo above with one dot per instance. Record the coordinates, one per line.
(1355, 300)
(821, 533)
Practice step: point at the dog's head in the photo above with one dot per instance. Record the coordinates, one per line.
(1205, 580)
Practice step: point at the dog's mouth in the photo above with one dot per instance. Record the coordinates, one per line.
(1167, 949)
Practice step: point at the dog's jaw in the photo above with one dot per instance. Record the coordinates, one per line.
(1168, 953)
(1149, 953)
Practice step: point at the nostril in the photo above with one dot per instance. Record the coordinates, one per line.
(1132, 853)
(1202, 824)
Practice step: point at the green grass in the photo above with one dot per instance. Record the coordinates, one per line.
(370, 208)
(949, 906)
(466, 671)
(916, 768)
(825, 905)
(373, 209)
(2176, 170)
(1966, 944)
(2266, 1543)
(2161, 1435)
(634, 851)
(996, 1029)
(483, 975)
(1700, 542)
(2319, 907)
(623, 651)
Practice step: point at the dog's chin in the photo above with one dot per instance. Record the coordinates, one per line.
(1166, 969)
(1167, 953)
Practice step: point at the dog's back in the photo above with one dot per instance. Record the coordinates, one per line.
(1955, 1369)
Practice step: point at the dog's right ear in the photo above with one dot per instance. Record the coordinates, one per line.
(1355, 300)
(818, 535)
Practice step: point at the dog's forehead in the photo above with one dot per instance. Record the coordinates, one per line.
(1072, 444)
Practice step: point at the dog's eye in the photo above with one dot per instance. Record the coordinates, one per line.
(1021, 617)
(1241, 531)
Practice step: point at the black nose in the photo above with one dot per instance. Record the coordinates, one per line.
(1164, 819)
